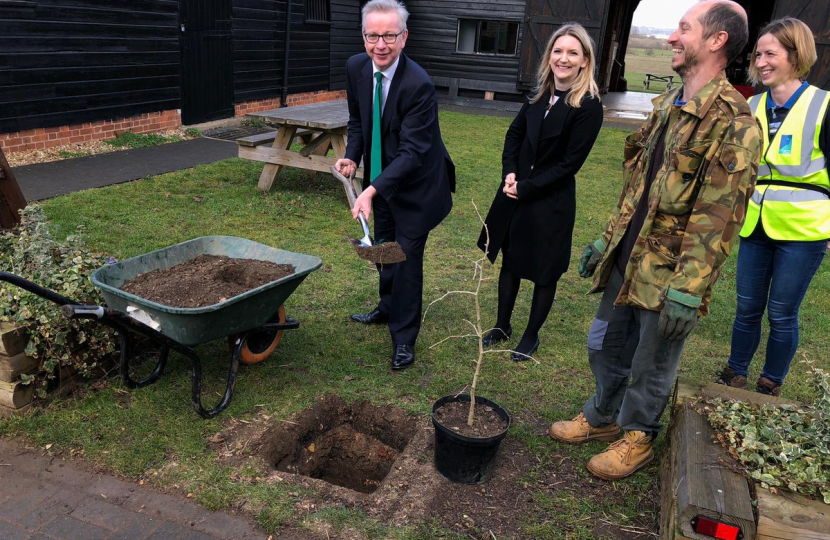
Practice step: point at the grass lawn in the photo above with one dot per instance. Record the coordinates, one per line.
(153, 434)
(638, 62)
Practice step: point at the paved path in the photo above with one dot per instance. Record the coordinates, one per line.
(44, 498)
(45, 180)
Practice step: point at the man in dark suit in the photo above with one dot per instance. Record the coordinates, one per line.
(408, 175)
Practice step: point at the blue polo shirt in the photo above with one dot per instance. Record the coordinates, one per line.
(776, 114)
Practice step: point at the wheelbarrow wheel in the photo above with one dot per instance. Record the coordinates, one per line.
(260, 342)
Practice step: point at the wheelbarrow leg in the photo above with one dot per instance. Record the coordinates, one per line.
(229, 387)
(126, 350)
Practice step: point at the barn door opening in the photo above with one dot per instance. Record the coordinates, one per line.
(817, 16)
(207, 60)
(544, 17)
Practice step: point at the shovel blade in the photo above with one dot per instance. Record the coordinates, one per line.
(385, 253)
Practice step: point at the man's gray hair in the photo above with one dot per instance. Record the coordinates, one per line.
(374, 6)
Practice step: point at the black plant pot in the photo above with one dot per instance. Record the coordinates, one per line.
(462, 459)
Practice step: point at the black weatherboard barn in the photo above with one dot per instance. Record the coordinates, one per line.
(65, 62)
(490, 48)
(72, 61)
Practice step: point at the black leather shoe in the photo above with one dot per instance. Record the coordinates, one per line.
(373, 317)
(521, 356)
(496, 335)
(404, 357)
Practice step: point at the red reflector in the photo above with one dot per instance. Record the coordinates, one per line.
(716, 529)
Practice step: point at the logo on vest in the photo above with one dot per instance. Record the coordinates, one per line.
(786, 147)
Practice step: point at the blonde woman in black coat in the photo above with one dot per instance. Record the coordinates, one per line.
(532, 217)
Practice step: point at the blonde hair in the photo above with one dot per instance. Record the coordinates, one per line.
(797, 39)
(584, 83)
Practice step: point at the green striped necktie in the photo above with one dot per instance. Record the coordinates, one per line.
(377, 164)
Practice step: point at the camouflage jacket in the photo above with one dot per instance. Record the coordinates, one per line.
(696, 204)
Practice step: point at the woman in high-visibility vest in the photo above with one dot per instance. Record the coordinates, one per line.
(787, 225)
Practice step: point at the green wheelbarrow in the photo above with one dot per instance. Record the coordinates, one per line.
(252, 322)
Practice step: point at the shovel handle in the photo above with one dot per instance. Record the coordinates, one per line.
(352, 197)
(347, 185)
(363, 223)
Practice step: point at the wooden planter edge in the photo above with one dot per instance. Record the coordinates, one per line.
(697, 479)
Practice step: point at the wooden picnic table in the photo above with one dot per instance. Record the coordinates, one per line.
(650, 78)
(323, 124)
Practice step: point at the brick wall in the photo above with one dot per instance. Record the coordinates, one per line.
(291, 101)
(35, 139)
(38, 138)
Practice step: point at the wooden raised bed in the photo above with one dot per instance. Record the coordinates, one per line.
(14, 396)
(697, 479)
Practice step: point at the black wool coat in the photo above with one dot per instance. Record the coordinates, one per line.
(418, 174)
(545, 153)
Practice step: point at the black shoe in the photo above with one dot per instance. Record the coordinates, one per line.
(404, 357)
(496, 335)
(521, 356)
(373, 317)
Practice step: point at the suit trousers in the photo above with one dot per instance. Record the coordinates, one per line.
(400, 285)
(633, 366)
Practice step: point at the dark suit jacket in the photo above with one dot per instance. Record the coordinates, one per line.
(545, 153)
(417, 175)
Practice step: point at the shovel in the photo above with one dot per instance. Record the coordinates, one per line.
(383, 253)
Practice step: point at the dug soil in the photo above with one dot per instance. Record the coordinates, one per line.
(349, 445)
(205, 280)
(487, 422)
(406, 491)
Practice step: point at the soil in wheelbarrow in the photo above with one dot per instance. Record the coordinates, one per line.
(205, 280)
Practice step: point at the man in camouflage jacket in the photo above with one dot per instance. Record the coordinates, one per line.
(688, 173)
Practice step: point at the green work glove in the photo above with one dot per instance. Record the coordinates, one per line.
(590, 258)
(676, 320)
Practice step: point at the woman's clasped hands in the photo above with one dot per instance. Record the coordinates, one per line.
(510, 186)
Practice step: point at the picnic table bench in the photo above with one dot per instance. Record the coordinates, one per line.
(322, 125)
(650, 78)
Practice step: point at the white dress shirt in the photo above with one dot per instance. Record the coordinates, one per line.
(386, 81)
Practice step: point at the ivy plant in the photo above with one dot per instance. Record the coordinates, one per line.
(780, 445)
(31, 252)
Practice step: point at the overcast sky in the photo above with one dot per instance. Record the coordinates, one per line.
(661, 13)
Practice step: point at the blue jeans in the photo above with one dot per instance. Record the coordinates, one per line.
(772, 276)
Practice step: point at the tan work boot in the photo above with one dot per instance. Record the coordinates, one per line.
(578, 431)
(629, 454)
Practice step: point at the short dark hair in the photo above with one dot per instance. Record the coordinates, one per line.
(722, 17)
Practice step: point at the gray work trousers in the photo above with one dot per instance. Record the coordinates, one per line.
(633, 366)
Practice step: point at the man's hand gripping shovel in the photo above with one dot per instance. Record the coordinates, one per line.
(383, 253)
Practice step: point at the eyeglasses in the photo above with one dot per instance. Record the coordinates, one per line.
(387, 38)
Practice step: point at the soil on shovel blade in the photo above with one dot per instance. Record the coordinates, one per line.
(205, 280)
(487, 422)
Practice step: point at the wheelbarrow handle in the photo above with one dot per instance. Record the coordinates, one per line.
(74, 311)
(27, 285)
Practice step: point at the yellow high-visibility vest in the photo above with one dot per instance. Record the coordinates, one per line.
(792, 195)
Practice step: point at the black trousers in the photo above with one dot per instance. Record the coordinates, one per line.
(401, 285)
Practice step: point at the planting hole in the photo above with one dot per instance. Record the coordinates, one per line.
(352, 445)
